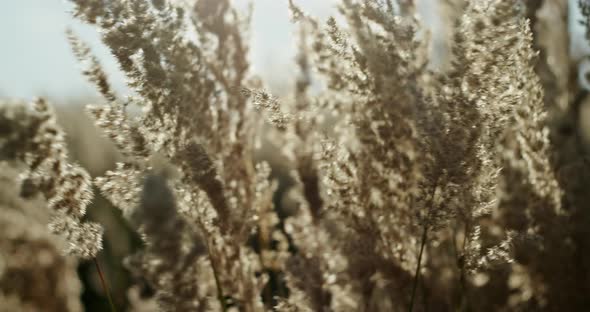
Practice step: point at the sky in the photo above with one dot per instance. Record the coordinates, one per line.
(36, 60)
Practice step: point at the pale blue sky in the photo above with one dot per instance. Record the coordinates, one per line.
(35, 58)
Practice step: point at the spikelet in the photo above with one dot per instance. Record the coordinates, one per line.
(66, 187)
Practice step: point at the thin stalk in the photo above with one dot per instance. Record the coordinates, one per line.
(423, 243)
(105, 287)
(220, 295)
(456, 252)
(417, 275)
(463, 284)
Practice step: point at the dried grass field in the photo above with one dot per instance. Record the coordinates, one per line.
(401, 169)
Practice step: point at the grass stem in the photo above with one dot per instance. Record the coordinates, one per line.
(418, 266)
(105, 286)
(220, 295)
